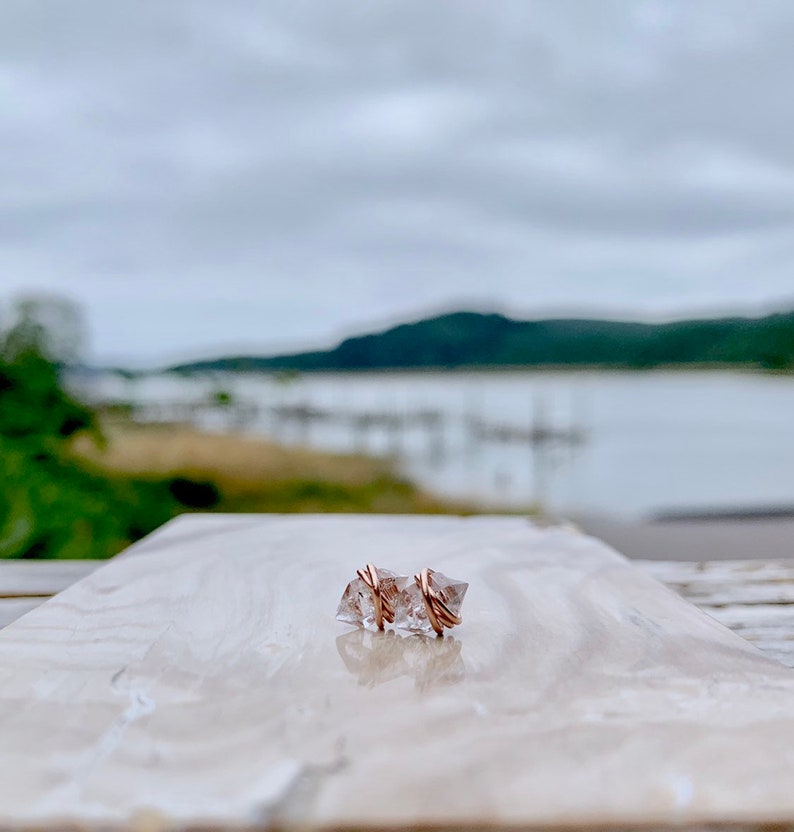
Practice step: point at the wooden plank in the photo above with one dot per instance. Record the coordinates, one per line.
(205, 681)
(24, 585)
(31, 578)
(13, 608)
(754, 598)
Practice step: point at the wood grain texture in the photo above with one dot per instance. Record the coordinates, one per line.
(754, 598)
(24, 585)
(13, 608)
(41, 578)
(205, 681)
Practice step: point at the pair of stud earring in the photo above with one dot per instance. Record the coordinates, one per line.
(428, 602)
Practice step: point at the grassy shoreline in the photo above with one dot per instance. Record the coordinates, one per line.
(239, 473)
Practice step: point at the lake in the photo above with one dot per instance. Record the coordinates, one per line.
(652, 440)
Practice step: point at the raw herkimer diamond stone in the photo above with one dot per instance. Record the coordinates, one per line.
(410, 612)
(357, 605)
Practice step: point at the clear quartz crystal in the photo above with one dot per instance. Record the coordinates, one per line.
(410, 612)
(357, 605)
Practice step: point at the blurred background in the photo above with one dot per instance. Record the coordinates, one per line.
(531, 257)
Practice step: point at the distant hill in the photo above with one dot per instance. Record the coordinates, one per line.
(471, 339)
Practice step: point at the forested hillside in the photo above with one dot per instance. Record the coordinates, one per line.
(471, 339)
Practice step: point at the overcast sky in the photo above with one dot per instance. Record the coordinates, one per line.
(213, 176)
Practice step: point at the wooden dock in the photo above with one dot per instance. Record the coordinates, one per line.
(300, 418)
(201, 680)
(534, 435)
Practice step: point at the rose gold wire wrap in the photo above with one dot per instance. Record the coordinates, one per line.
(438, 613)
(384, 608)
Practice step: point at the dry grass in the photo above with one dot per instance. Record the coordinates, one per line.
(258, 475)
(166, 449)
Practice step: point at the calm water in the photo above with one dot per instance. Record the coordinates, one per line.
(656, 440)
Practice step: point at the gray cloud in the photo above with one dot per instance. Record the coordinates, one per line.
(206, 175)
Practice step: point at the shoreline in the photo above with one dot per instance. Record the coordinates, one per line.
(474, 369)
(256, 474)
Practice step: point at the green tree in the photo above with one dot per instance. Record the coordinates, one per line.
(51, 505)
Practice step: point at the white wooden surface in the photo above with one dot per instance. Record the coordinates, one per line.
(36, 578)
(24, 585)
(753, 598)
(203, 679)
